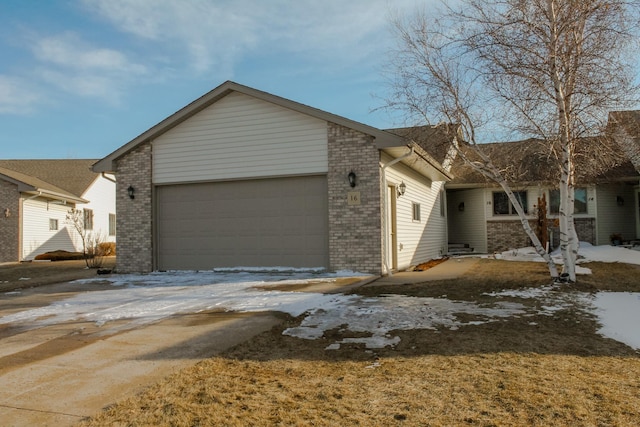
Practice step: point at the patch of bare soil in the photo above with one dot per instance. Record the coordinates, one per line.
(542, 370)
(37, 273)
(429, 264)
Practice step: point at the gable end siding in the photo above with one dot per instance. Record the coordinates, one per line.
(240, 137)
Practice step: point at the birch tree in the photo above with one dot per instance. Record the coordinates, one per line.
(548, 69)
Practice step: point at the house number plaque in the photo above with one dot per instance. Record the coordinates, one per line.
(353, 198)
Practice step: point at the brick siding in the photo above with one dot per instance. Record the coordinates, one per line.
(508, 234)
(9, 226)
(134, 224)
(355, 241)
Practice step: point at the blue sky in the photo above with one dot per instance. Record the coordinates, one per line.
(80, 78)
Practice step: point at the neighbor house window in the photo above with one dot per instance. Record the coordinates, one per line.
(88, 219)
(416, 211)
(112, 224)
(502, 205)
(53, 224)
(579, 203)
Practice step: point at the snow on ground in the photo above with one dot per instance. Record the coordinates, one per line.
(142, 299)
(586, 253)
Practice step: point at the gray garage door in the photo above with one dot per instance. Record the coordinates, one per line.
(255, 223)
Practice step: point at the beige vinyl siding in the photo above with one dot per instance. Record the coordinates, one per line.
(613, 218)
(418, 241)
(241, 137)
(468, 226)
(36, 236)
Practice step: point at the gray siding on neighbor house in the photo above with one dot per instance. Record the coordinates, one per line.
(9, 225)
(612, 217)
(240, 137)
(134, 221)
(354, 230)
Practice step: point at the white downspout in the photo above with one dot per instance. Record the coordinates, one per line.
(385, 209)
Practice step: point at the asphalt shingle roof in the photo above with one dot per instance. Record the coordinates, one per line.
(531, 162)
(70, 176)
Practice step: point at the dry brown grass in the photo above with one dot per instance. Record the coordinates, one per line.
(497, 389)
(539, 371)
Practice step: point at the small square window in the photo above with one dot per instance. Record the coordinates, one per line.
(416, 211)
(53, 224)
(112, 224)
(88, 219)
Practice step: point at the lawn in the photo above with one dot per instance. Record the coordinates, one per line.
(546, 369)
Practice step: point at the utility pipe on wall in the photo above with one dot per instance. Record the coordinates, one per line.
(385, 208)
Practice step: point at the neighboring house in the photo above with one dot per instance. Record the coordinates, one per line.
(244, 178)
(35, 197)
(606, 196)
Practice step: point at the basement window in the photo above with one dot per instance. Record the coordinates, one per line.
(416, 211)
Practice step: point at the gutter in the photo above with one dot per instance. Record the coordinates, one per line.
(385, 208)
(104, 175)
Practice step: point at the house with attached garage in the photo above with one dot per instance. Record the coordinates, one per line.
(35, 197)
(607, 192)
(243, 178)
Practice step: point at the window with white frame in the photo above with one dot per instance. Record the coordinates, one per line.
(503, 206)
(579, 203)
(443, 207)
(416, 211)
(53, 224)
(87, 218)
(112, 224)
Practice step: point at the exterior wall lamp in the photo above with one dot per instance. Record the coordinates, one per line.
(352, 179)
(401, 189)
(7, 213)
(131, 191)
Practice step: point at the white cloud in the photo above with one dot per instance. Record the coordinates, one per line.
(17, 96)
(68, 50)
(216, 34)
(73, 65)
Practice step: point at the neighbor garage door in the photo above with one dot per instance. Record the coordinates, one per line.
(255, 223)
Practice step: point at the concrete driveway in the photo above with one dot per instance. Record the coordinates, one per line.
(55, 373)
(58, 374)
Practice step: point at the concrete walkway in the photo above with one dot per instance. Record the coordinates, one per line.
(450, 269)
